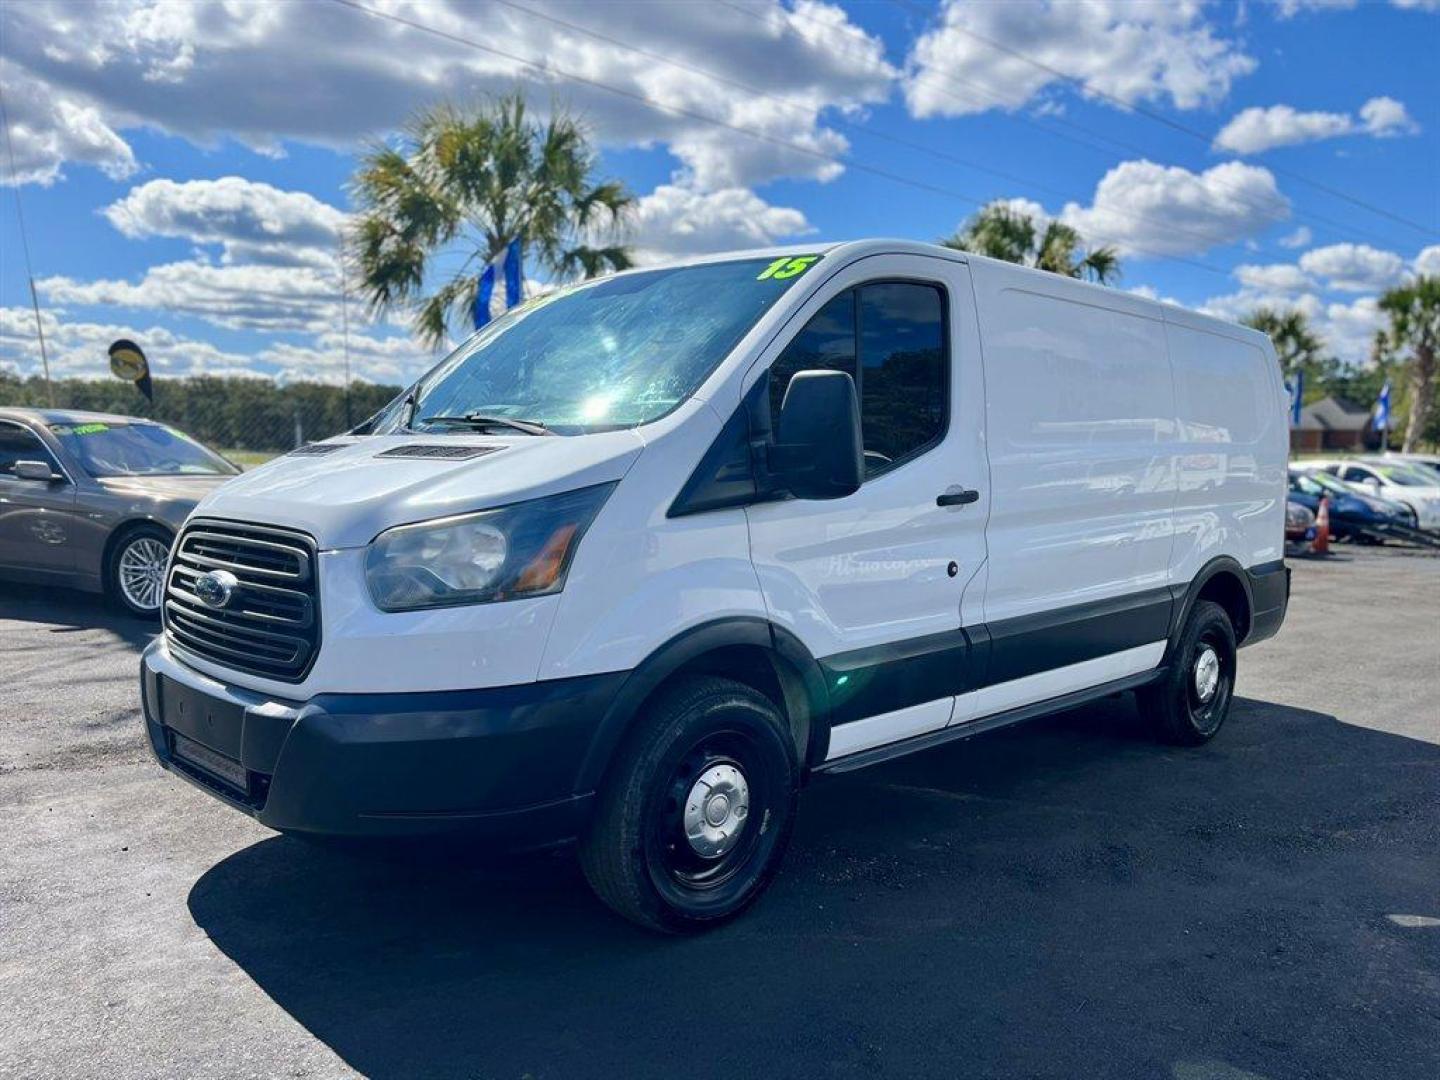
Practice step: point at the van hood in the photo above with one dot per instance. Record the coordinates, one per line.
(346, 496)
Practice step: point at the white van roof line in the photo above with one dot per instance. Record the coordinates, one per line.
(854, 249)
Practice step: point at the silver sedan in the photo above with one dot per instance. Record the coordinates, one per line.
(93, 501)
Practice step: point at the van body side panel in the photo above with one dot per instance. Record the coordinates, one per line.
(1080, 422)
(1231, 454)
(641, 578)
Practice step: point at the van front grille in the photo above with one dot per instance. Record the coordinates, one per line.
(270, 623)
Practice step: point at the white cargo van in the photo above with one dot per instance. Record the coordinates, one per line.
(643, 555)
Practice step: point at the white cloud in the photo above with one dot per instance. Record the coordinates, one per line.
(1276, 277)
(240, 297)
(1428, 261)
(1292, 7)
(1254, 130)
(1385, 117)
(1347, 329)
(1297, 239)
(674, 220)
(77, 349)
(251, 221)
(1148, 209)
(325, 74)
(48, 129)
(395, 359)
(1149, 50)
(1353, 267)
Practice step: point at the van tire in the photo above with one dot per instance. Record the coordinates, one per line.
(726, 746)
(1178, 704)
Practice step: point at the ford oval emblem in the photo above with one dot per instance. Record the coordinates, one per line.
(216, 588)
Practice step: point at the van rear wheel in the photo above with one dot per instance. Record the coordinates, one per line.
(694, 818)
(1191, 701)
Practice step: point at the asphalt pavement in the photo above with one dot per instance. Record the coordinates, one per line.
(1066, 899)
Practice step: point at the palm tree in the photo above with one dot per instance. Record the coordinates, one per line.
(1414, 311)
(1298, 348)
(1002, 232)
(477, 179)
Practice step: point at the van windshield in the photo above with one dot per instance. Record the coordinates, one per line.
(608, 354)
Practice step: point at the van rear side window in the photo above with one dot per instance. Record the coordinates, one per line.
(890, 338)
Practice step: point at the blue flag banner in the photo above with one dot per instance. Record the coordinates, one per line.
(1382, 408)
(509, 264)
(1296, 389)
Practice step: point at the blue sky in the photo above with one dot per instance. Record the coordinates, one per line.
(183, 166)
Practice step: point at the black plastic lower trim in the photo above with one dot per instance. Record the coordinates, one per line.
(1269, 597)
(1047, 640)
(498, 760)
(989, 723)
(880, 679)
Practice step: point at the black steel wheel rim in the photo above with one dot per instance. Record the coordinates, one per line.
(680, 873)
(1207, 714)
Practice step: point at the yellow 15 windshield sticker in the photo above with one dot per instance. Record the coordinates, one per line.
(787, 266)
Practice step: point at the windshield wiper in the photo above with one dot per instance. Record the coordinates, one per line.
(480, 420)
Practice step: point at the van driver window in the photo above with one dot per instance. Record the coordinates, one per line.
(897, 331)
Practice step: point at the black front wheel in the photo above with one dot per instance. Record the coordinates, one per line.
(694, 817)
(1191, 701)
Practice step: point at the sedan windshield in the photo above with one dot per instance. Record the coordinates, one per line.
(1405, 475)
(138, 449)
(609, 354)
(1319, 483)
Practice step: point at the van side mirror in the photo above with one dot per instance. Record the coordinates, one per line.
(818, 453)
(35, 470)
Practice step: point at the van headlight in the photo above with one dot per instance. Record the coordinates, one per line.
(501, 554)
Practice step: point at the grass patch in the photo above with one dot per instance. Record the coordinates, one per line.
(248, 459)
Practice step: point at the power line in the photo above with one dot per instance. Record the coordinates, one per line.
(1161, 118)
(980, 102)
(865, 129)
(25, 247)
(673, 110)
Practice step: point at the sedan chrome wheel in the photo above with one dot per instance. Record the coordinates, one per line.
(140, 573)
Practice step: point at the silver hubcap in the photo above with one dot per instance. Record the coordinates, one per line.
(1207, 674)
(142, 572)
(716, 809)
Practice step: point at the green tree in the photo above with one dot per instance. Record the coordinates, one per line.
(1299, 348)
(1412, 337)
(474, 180)
(1002, 232)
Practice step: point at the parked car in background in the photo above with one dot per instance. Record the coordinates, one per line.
(1299, 523)
(1353, 514)
(93, 501)
(1429, 463)
(1407, 484)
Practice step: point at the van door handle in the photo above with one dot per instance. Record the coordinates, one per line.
(958, 496)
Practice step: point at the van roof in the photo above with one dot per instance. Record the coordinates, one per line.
(853, 249)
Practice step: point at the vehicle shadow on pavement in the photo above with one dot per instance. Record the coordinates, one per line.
(1064, 899)
(65, 611)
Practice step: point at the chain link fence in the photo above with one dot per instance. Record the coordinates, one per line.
(246, 419)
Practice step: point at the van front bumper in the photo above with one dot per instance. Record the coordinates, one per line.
(498, 763)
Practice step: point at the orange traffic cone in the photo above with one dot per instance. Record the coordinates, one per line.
(1321, 543)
